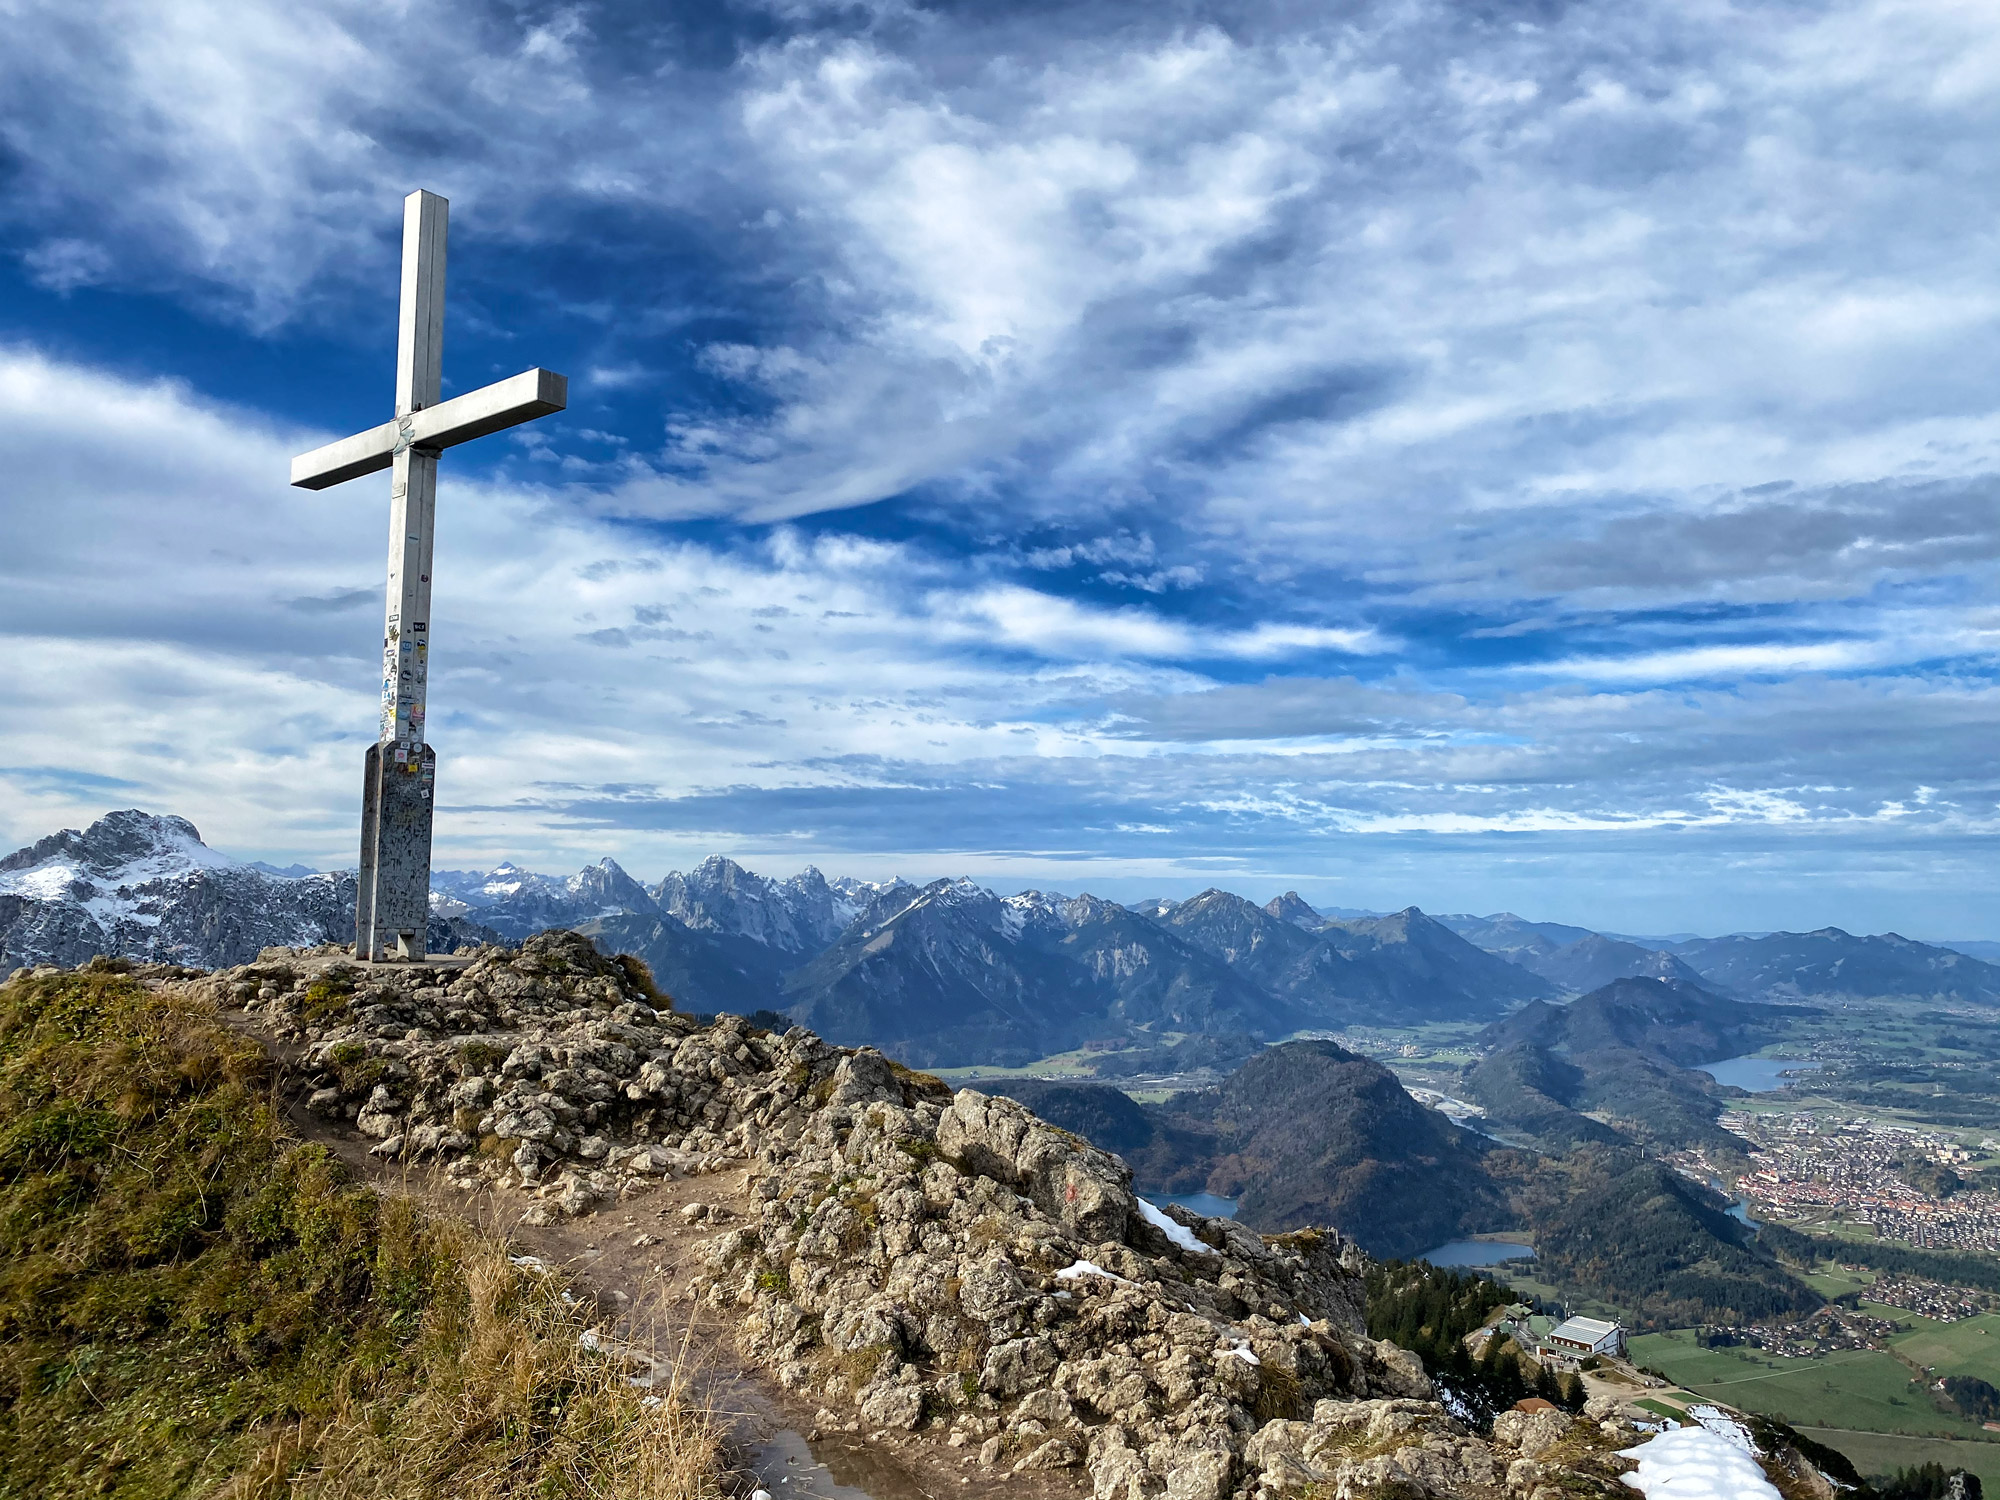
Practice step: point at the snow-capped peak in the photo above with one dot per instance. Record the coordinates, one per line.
(120, 849)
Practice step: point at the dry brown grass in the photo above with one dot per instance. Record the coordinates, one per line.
(193, 1303)
(516, 1397)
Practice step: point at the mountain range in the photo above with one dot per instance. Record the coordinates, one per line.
(948, 972)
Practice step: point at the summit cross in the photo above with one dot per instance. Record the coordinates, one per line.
(392, 898)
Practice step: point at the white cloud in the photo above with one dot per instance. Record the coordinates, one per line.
(63, 265)
(1711, 662)
(1054, 626)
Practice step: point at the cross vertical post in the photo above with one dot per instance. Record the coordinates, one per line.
(392, 898)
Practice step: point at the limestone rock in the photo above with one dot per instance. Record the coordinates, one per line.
(1533, 1433)
(922, 1261)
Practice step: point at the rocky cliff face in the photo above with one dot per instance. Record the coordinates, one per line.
(914, 1259)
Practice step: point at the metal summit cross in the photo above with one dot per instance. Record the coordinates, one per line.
(392, 900)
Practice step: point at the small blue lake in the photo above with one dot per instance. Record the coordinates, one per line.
(1478, 1253)
(1757, 1075)
(1740, 1209)
(1208, 1205)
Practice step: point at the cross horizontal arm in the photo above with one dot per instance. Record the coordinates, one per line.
(503, 404)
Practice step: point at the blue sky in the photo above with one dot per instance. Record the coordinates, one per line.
(1526, 456)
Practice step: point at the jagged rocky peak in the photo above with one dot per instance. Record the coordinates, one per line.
(1044, 915)
(1292, 907)
(122, 847)
(1076, 911)
(507, 879)
(799, 915)
(820, 907)
(143, 885)
(608, 886)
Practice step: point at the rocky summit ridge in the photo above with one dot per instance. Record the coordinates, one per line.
(909, 1260)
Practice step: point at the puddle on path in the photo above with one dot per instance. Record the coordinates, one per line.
(791, 1469)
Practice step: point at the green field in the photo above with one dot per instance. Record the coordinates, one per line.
(1830, 1281)
(1884, 1452)
(1856, 1389)
(1968, 1347)
(1662, 1408)
(1072, 1065)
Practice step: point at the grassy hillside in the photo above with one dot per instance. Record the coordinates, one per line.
(192, 1303)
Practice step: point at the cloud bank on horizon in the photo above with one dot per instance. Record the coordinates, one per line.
(1528, 455)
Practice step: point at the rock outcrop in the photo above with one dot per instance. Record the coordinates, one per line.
(914, 1259)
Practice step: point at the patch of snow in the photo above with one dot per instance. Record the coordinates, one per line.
(1724, 1426)
(1177, 1232)
(50, 882)
(1085, 1268)
(1697, 1464)
(1456, 1404)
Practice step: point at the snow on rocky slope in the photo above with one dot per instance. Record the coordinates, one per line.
(144, 886)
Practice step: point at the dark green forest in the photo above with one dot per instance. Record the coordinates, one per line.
(1980, 1272)
(1429, 1310)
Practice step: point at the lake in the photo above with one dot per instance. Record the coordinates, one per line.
(1757, 1075)
(1206, 1204)
(1478, 1253)
(1740, 1209)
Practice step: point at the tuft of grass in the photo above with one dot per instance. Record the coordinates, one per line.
(918, 1086)
(479, 1057)
(1279, 1394)
(327, 998)
(193, 1303)
(641, 979)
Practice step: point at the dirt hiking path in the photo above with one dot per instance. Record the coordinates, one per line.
(635, 1258)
